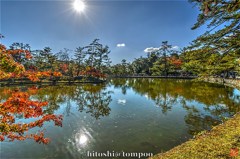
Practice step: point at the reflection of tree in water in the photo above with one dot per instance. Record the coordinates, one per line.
(56, 95)
(120, 83)
(165, 102)
(217, 101)
(158, 92)
(68, 107)
(196, 121)
(94, 100)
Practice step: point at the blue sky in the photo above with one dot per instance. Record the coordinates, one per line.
(136, 25)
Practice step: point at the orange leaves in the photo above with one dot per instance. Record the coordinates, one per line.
(176, 62)
(30, 74)
(40, 138)
(33, 90)
(20, 51)
(7, 64)
(49, 117)
(1, 138)
(19, 103)
(35, 76)
(2, 47)
(64, 68)
(6, 91)
(233, 152)
(92, 72)
(12, 69)
(57, 74)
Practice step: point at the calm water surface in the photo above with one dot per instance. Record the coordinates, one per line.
(130, 115)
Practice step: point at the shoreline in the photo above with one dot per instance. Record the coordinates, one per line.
(221, 141)
(17, 82)
(163, 77)
(234, 83)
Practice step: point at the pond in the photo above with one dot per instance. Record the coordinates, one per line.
(126, 115)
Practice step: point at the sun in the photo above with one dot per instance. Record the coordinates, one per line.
(79, 5)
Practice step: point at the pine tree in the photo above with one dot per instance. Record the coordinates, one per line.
(223, 34)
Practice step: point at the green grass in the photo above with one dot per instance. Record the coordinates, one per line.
(214, 144)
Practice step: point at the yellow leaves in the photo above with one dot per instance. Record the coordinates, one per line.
(4, 75)
(8, 67)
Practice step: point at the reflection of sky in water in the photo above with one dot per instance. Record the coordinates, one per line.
(236, 92)
(236, 96)
(121, 101)
(139, 125)
(146, 96)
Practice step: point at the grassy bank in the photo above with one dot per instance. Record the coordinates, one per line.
(221, 142)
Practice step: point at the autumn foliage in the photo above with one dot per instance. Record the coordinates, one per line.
(12, 69)
(234, 152)
(8, 67)
(176, 62)
(92, 72)
(64, 68)
(20, 104)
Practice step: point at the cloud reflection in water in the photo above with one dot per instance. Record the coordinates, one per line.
(122, 101)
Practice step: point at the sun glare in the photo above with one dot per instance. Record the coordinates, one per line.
(79, 5)
(83, 139)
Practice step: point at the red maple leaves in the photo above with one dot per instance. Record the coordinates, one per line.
(234, 152)
(176, 62)
(12, 69)
(19, 103)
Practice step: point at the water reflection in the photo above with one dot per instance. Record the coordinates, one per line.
(158, 114)
(218, 101)
(82, 138)
(93, 99)
(122, 101)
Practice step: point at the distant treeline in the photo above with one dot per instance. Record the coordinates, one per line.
(162, 62)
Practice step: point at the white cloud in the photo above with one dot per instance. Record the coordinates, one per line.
(121, 45)
(175, 47)
(151, 49)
